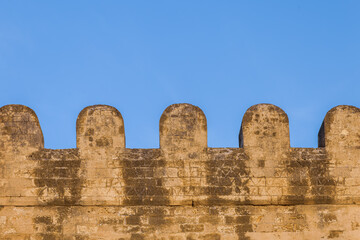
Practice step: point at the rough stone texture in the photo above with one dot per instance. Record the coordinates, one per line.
(184, 190)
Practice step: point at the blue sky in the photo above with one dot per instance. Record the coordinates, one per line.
(58, 57)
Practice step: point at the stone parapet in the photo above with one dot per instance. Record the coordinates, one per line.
(113, 189)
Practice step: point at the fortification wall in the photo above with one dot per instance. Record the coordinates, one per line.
(184, 190)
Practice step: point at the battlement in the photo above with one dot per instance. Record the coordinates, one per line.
(183, 173)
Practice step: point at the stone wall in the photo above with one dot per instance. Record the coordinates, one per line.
(184, 190)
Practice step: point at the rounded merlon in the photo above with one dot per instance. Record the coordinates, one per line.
(21, 125)
(340, 128)
(264, 125)
(183, 126)
(100, 126)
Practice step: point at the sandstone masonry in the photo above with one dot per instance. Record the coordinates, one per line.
(184, 190)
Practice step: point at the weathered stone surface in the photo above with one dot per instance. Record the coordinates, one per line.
(184, 189)
(265, 129)
(181, 222)
(100, 127)
(100, 135)
(183, 126)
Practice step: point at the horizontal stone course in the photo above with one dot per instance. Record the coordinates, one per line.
(181, 222)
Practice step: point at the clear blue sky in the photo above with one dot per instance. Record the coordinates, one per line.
(58, 57)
